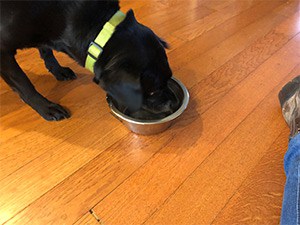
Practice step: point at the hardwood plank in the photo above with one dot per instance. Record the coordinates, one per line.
(177, 2)
(173, 42)
(15, 140)
(165, 21)
(242, 65)
(208, 62)
(145, 8)
(87, 219)
(290, 26)
(195, 48)
(92, 182)
(289, 8)
(201, 26)
(130, 4)
(58, 162)
(258, 200)
(166, 25)
(14, 157)
(11, 128)
(219, 5)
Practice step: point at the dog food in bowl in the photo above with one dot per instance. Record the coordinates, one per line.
(158, 111)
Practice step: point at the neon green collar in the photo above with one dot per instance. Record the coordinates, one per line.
(96, 47)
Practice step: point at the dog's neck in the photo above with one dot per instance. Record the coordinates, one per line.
(85, 22)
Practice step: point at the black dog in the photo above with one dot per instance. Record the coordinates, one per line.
(133, 63)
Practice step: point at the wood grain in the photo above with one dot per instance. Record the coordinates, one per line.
(221, 162)
(258, 199)
(219, 34)
(167, 23)
(201, 26)
(243, 64)
(87, 219)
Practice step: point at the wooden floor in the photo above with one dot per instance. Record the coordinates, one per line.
(221, 163)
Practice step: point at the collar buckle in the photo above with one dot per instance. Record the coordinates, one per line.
(94, 44)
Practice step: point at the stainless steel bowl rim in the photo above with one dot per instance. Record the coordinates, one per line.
(186, 97)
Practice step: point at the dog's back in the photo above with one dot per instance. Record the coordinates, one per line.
(35, 23)
(28, 24)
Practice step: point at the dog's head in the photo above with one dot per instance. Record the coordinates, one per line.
(133, 64)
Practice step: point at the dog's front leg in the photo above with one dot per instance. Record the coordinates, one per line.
(60, 73)
(19, 82)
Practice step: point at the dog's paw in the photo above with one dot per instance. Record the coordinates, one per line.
(53, 112)
(64, 73)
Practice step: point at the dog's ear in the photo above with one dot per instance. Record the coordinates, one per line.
(130, 16)
(163, 42)
(120, 84)
(125, 89)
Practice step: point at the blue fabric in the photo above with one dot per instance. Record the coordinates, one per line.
(291, 199)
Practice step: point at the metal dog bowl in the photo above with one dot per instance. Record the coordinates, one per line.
(149, 127)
